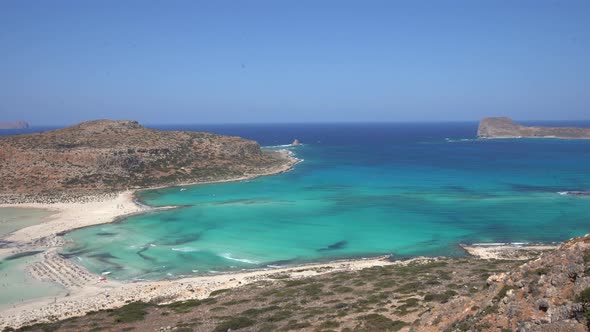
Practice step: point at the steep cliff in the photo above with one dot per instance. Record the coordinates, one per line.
(503, 127)
(106, 155)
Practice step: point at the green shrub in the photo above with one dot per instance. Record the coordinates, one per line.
(234, 323)
(376, 322)
(219, 291)
(584, 297)
(442, 297)
(131, 312)
(294, 325)
(502, 293)
(188, 305)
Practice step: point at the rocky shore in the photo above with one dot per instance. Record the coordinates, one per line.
(503, 127)
(507, 251)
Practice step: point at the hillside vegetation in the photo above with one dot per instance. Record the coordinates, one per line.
(106, 155)
(551, 293)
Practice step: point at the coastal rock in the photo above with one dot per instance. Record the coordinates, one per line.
(14, 125)
(105, 155)
(504, 127)
(541, 295)
(295, 142)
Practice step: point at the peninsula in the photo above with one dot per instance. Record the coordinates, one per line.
(82, 173)
(105, 156)
(14, 125)
(504, 127)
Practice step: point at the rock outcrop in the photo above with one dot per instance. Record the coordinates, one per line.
(106, 155)
(14, 125)
(503, 127)
(295, 142)
(551, 293)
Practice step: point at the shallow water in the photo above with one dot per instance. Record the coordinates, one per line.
(16, 286)
(12, 219)
(363, 190)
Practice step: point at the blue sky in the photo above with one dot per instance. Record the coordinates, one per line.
(175, 61)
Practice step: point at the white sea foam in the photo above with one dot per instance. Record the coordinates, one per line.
(243, 260)
(279, 146)
(497, 244)
(455, 140)
(185, 249)
(574, 193)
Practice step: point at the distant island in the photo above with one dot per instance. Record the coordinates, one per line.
(108, 156)
(504, 127)
(14, 125)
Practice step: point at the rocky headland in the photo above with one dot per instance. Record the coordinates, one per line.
(504, 127)
(14, 125)
(105, 156)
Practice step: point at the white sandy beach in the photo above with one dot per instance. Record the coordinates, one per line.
(86, 293)
(92, 295)
(68, 216)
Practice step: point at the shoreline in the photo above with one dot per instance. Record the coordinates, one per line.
(86, 293)
(86, 211)
(108, 207)
(510, 251)
(94, 296)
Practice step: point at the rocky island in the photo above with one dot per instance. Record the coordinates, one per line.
(504, 127)
(14, 125)
(108, 156)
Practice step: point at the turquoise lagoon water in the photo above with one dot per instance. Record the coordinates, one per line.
(362, 190)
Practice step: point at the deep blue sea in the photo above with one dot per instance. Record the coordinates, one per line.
(362, 190)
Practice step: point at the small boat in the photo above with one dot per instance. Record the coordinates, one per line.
(106, 273)
(182, 189)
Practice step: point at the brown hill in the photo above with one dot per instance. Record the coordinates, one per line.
(106, 155)
(503, 127)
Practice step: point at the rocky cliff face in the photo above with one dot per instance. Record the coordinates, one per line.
(550, 293)
(107, 155)
(503, 127)
(14, 125)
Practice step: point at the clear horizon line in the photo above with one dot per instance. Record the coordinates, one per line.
(32, 125)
